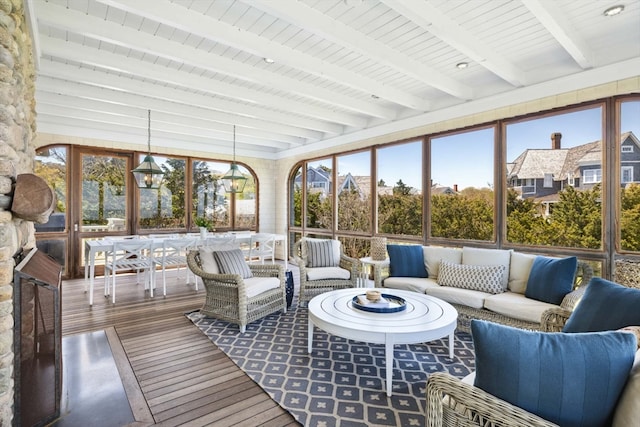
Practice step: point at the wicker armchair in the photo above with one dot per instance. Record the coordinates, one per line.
(311, 288)
(457, 403)
(227, 298)
(464, 405)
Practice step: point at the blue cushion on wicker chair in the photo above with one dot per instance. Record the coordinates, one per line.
(605, 306)
(568, 379)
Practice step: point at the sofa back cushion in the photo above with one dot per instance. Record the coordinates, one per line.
(484, 278)
(481, 256)
(605, 306)
(519, 271)
(568, 379)
(434, 254)
(551, 279)
(406, 261)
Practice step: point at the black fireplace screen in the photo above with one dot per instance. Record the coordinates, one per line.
(37, 340)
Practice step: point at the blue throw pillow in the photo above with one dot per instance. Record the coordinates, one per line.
(406, 261)
(605, 306)
(551, 279)
(568, 379)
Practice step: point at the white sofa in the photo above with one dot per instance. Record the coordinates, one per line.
(510, 307)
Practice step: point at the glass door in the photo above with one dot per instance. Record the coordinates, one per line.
(104, 201)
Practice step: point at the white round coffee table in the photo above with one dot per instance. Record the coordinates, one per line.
(425, 319)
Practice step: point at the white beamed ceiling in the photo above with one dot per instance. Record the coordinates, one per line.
(343, 70)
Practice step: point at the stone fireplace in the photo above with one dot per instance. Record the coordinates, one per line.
(17, 153)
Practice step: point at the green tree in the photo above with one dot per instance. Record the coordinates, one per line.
(630, 218)
(576, 219)
(401, 212)
(468, 215)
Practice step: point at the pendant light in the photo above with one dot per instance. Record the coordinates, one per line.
(148, 174)
(234, 181)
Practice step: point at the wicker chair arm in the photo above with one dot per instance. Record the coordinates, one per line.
(351, 264)
(466, 405)
(267, 270)
(554, 319)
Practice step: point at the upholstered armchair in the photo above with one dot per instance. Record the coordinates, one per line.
(323, 267)
(238, 292)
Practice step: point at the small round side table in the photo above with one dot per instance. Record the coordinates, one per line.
(367, 263)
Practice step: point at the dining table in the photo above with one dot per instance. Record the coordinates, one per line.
(93, 247)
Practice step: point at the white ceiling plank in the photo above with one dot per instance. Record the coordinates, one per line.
(228, 111)
(311, 20)
(93, 27)
(193, 22)
(550, 15)
(61, 125)
(440, 25)
(220, 131)
(100, 58)
(158, 123)
(81, 92)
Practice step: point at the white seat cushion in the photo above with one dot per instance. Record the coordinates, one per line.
(468, 297)
(325, 273)
(257, 285)
(415, 284)
(517, 306)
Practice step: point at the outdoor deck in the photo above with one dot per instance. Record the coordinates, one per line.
(173, 374)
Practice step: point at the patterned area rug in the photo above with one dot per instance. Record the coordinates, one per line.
(341, 382)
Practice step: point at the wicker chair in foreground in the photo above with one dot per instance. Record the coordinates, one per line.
(455, 402)
(323, 267)
(239, 300)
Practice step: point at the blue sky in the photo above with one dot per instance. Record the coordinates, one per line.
(467, 159)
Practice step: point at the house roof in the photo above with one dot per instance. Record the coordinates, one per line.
(535, 163)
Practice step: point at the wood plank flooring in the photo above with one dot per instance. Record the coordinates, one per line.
(173, 374)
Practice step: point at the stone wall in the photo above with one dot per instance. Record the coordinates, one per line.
(17, 153)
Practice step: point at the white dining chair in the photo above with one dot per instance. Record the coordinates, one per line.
(173, 253)
(261, 247)
(129, 255)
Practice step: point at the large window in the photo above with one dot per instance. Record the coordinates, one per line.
(209, 198)
(462, 196)
(319, 194)
(354, 192)
(554, 150)
(165, 208)
(51, 165)
(399, 189)
(103, 192)
(630, 175)
(553, 182)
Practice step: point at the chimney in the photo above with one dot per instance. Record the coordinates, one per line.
(455, 187)
(555, 141)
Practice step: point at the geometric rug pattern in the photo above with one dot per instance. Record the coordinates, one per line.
(341, 382)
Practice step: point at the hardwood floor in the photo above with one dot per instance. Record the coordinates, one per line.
(172, 373)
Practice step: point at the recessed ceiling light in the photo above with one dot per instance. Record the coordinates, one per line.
(462, 65)
(269, 60)
(613, 10)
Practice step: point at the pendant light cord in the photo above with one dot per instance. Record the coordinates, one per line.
(149, 131)
(234, 144)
